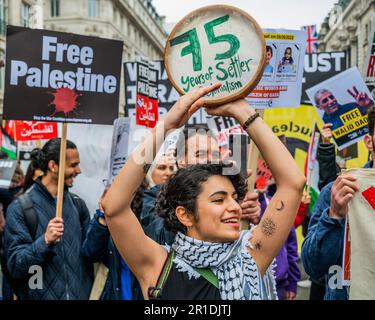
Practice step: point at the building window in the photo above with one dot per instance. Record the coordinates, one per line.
(25, 14)
(3, 17)
(55, 8)
(93, 8)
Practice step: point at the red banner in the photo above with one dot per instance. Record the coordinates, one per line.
(34, 130)
(147, 111)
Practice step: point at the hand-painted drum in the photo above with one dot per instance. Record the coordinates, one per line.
(216, 44)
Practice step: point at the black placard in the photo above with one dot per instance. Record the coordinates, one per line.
(320, 67)
(55, 76)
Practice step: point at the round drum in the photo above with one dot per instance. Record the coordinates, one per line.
(216, 43)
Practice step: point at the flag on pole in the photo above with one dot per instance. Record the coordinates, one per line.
(312, 39)
(8, 145)
(10, 127)
(312, 166)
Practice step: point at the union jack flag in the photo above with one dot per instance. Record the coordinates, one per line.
(312, 39)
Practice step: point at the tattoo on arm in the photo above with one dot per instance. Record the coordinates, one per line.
(280, 206)
(268, 227)
(258, 245)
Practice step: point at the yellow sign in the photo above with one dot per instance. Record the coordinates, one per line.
(278, 36)
(296, 125)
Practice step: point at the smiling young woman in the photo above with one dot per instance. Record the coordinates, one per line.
(210, 258)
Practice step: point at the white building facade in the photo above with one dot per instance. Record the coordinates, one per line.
(135, 22)
(347, 28)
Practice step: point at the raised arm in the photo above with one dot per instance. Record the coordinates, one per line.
(279, 216)
(144, 256)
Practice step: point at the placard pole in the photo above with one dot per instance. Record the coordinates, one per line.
(252, 164)
(61, 181)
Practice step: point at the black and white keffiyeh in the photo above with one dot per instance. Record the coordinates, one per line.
(237, 272)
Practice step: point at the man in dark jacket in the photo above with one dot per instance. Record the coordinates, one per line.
(323, 246)
(49, 265)
(120, 284)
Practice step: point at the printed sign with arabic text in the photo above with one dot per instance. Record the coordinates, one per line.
(34, 130)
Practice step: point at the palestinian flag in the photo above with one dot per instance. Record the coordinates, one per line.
(312, 167)
(7, 144)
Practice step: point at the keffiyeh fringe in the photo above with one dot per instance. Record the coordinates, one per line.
(236, 270)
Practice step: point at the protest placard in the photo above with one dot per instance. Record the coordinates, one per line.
(281, 83)
(119, 149)
(222, 127)
(34, 130)
(147, 113)
(167, 94)
(7, 168)
(94, 146)
(362, 235)
(369, 65)
(216, 43)
(319, 67)
(61, 77)
(343, 101)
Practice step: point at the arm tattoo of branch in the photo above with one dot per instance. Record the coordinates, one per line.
(280, 206)
(258, 245)
(268, 227)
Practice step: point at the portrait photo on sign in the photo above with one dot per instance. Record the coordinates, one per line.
(343, 101)
(271, 54)
(287, 60)
(279, 89)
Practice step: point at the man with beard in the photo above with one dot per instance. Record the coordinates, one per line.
(43, 258)
(195, 145)
(326, 101)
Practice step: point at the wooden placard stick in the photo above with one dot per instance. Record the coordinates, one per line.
(38, 144)
(309, 181)
(252, 164)
(61, 181)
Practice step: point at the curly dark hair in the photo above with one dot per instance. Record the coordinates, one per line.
(183, 189)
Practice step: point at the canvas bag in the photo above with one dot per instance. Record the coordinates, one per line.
(362, 235)
(101, 275)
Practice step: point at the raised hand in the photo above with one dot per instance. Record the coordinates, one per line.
(342, 192)
(251, 208)
(184, 108)
(326, 133)
(306, 198)
(361, 98)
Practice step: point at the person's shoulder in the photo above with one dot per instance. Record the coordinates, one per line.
(327, 188)
(325, 193)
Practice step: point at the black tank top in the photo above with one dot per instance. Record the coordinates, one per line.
(178, 286)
